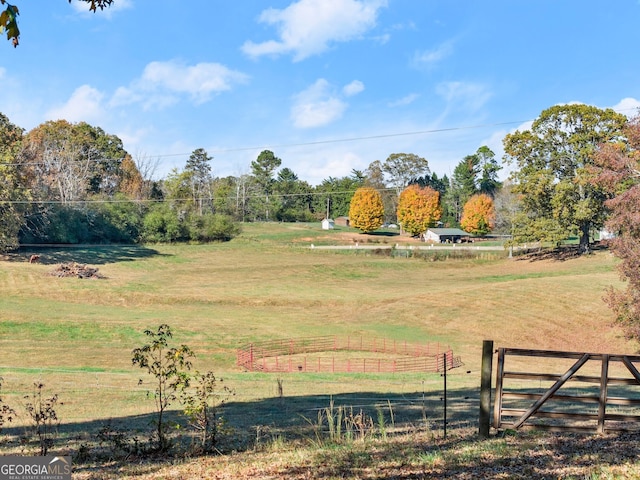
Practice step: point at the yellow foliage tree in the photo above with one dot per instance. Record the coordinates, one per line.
(478, 215)
(366, 210)
(418, 209)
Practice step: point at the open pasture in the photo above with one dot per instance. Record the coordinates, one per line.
(76, 336)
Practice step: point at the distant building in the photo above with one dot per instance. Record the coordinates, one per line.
(445, 235)
(606, 234)
(342, 221)
(327, 224)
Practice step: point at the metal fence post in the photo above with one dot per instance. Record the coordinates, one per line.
(485, 388)
(444, 375)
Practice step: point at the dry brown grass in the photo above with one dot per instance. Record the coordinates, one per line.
(411, 457)
(77, 335)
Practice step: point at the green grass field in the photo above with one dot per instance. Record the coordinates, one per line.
(76, 335)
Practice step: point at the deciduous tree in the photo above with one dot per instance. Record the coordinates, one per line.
(401, 168)
(618, 172)
(553, 176)
(169, 366)
(366, 211)
(418, 209)
(441, 185)
(478, 215)
(132, 184)
(12, 188)
(66, 162)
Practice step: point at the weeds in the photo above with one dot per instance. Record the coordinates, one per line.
(267, 440)
(7, 414)
(119, 441)
(382, 423)
(42, 413)
(201, 407)
(345, 425)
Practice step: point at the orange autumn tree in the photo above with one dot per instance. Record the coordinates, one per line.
(418, 209)
(478, 215)
(131, 183)
(366, 211)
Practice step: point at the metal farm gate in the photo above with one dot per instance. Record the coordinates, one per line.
(567, 391)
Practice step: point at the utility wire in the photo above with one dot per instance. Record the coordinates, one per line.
(357, 139)
(307, 144)
(335, 140)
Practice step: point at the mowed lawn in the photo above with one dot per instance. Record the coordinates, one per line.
(76, 335)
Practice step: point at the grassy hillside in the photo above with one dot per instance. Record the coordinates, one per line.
(76, 336)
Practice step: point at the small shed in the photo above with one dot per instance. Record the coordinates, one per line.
(342, 221)
(605, 234)
(327, 224)
(445, 235)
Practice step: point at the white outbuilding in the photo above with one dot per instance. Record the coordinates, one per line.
(327, 224)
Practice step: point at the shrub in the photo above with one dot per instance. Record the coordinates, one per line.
(214, 227)
(201, 407)
(162, 224)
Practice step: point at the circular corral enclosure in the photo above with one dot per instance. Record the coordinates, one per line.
(342, 355)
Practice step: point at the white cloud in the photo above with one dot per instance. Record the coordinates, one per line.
(353, 88)
(316, 106)
(134, 137)
(84, 105)
(125, 96)
(628, 106)
(162, 84)
(334, 163)
(431, 57)
(308, 27)
(468, 96)
(406, 100)
(383, 39)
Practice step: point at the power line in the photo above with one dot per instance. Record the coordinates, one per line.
(370, 137)
(305, 144)
(356, 139)
(324, 142)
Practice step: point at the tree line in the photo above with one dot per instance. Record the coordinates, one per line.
(66, 183)
(75, 183)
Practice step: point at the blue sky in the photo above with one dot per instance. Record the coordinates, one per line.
(328, 85)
